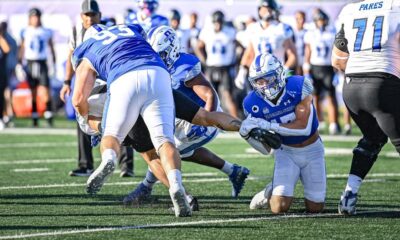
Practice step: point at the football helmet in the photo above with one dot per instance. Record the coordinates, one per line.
(166, 43)
(267, 76)
(269, 4)
(148, 5)
(175, 15)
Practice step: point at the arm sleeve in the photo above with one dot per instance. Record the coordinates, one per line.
(196, 70)
(307, 88)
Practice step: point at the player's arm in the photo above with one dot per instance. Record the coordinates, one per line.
(290, 50)
(205, 91)
(340, 52)
(21, 51)
(5, 47)
(248, 56)
(84, 82)
(220, 120)
(53, 52)
(200, 52)
(69, 72)
(307, 57)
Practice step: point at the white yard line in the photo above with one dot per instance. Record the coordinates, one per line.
(168, 225)
(36, 161)
(38, 144)
(185, 180)
(22, 170)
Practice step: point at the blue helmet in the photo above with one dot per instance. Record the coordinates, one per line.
(150, 5)
(267, 76)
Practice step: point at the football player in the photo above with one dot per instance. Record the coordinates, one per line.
(267, 36)
(187, 78)
(317, 66)
(35, 42)
(284, 106)
(367, 49)
(146, 16)
(138, 83)
(216, 49)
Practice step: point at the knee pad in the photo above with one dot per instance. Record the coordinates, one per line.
(368, 149)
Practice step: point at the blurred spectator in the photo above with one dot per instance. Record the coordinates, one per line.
(267, 36)
(4, 50)
(35, 40)
(90, 15)
(299, 33)
(108, 21)
(194, 32)
(12, 60)
(317, 66)
(216, 48)
(146, 16)
(182, 34)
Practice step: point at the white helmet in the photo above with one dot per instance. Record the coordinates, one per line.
(166, 43)
(267, 76)
(93, 30)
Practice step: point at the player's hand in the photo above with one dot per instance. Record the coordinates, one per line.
(65, 91)
(20, 73)
(241, 78)
(247, 125)
(84, 125)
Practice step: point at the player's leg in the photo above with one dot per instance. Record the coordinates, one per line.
(313, 177)
(286, 174)
(120, 114)
(126, 161)
(332, 106)
(85, 156)
(44, 84)
(227, 89)
(318, 90)
(368, 148)
(158, 114)
(33, 83)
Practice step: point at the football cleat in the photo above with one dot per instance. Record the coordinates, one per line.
(127, 173)
(194, 205)
(261, 199)
(238, 178)
(99, 176)
(81, 172)
(347, 204)
(181, 205)
(138, 196)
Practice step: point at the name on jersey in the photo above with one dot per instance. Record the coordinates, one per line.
(371, 6)
(278, 113)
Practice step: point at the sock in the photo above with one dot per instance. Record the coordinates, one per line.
(189, 198)
(150, 179)
(109, 154)
(353, 183)
(227, 168)
(175, 180)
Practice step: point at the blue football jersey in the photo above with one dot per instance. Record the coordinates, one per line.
(116, 51)
(153, 21)
(184, 69)
(284, 110)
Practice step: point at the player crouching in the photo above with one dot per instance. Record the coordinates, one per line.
(284, 106)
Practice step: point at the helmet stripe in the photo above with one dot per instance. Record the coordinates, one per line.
(257, 63)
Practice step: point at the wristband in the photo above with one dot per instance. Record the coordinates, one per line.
(67, 82)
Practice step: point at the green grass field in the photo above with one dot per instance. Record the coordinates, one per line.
(39, 199)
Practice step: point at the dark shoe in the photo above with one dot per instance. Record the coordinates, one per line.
(81, 172)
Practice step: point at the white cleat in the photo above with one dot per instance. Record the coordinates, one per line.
(181, 205)
(347, 203)
(99, 177)
(261, 199)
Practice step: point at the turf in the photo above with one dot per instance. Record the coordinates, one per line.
(59, 204)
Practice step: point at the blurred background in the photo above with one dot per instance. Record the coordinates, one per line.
(61, 16)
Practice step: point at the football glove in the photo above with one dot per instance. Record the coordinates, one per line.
(247, 125)
(84, 125)
(241, 77)
(266, 137)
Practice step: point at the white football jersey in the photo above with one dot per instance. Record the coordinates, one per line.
(220, 46)
(372, 29)
(269, 40)
(184, 39)
(300, 45)
(36, 42)
(321, 43)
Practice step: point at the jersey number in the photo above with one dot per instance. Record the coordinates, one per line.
(110, 37)
(361, 25)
